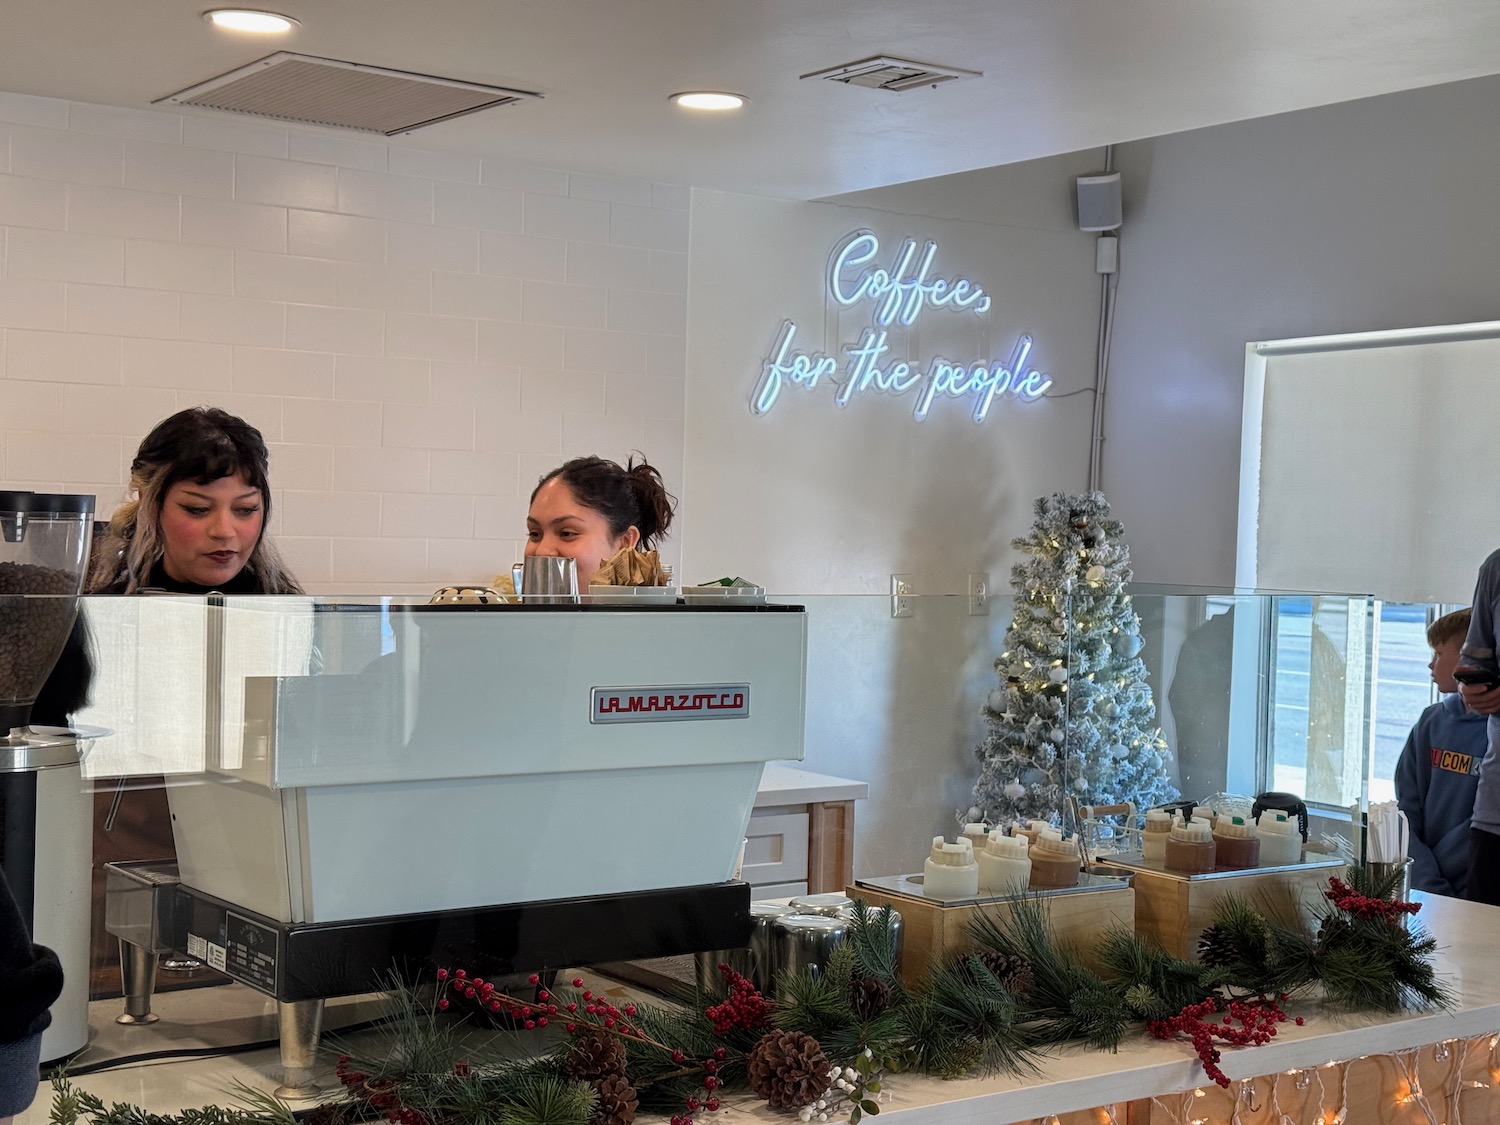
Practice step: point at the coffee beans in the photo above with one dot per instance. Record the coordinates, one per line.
(32, 630)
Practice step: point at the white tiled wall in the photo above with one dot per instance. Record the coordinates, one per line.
(418, 335)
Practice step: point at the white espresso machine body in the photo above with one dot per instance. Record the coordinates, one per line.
(424, 759)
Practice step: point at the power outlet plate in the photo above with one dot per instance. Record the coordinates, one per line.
(903, 595)
(979, 595)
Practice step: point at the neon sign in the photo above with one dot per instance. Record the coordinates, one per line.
(900, 295)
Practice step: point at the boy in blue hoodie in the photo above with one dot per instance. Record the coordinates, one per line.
(1438, 772)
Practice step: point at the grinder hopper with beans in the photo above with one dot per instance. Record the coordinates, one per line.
(45, 827)
(44, 547)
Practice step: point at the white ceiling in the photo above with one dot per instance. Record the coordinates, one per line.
(1059, 75)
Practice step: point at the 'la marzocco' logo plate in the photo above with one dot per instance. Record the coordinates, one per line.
(669, 703)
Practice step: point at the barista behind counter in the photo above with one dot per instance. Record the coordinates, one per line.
(196, 523)
(591, 508)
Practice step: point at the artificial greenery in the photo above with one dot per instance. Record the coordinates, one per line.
(872, 938)
(1373, 963)
(72, 1106)
(1067, 1001)
(965, 1022)
(1018, 993)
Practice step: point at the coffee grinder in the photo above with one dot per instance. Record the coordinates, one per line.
(45, 821)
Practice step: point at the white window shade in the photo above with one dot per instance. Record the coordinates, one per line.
(1369, 463)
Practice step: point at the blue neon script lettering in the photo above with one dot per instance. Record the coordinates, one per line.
(900, 294)
(903, 290)
(802, 369)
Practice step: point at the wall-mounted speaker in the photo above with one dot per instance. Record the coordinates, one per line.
(1099, 202)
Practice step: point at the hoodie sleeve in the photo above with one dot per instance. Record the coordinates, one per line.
(1479, 645)
(30, 976)
(1412, 775)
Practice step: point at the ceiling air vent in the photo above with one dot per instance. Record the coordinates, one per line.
(885, 73)
(292, 87)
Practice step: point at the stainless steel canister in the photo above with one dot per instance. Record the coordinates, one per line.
(804, 941)
(831, 905)
(835, 905)
(549, 580)
(757, 961)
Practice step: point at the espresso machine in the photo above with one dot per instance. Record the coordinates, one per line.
(45, 843)
(388, 787)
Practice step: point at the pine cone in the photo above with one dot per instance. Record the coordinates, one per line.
(1215, 949)
(789, 1070)
(597, 1055)
(617, 1101)
(1011, 970)
(869, 996)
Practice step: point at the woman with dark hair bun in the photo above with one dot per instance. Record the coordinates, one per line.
(591, 508)
(196, 520)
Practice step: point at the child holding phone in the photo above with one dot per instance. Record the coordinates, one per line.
(1438, 772)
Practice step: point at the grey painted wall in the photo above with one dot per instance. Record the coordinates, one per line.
(1382, 213)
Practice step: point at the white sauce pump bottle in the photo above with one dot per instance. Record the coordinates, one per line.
(950, 870)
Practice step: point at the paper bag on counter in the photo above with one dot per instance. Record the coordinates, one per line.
(629, 567)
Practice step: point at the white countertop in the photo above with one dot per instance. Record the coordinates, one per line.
(787, 783)
(1072, 1078)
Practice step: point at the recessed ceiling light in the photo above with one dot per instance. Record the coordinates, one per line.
(708, 99)
(246, 19)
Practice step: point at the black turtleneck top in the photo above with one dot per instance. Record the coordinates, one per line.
(159, 581)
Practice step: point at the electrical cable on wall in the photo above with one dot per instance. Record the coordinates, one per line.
(1099, 209)
(1109, 286)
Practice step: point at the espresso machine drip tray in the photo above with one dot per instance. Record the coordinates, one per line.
(293, 962)
(302, 964)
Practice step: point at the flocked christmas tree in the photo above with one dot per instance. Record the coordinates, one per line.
(1073, 713)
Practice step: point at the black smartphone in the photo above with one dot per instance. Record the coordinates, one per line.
(1467, 674)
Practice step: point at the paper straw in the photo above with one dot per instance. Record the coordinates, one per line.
(1388, 833)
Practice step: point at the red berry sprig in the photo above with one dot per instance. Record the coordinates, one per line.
(379, 1093)
(579, 1008)
(583, 1012)
(744, 1008)
(1347, 899)
(705, 1099)
(1257, 1019)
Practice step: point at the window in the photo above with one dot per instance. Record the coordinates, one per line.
(1403, 687)
(1349, 678)
(1320, 492)
(1317, 697)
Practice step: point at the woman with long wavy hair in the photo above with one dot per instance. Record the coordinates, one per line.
(197, 515)
(195, 522)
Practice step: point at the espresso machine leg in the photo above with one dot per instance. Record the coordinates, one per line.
(300, 1023)
(138, 982)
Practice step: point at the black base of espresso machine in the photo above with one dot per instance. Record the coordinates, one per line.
(302, 964)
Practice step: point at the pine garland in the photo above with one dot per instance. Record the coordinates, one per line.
(995, 1009)
(873, 940)
(72, 1106)
(1066, 1001)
